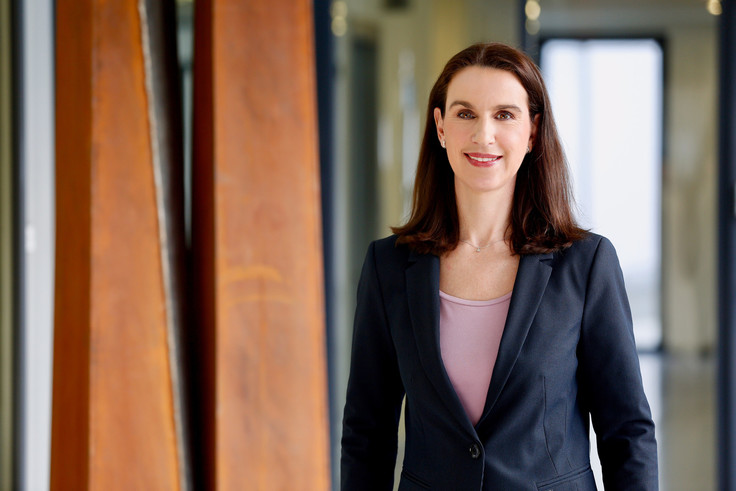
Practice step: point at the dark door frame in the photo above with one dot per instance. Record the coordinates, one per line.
(727, 251)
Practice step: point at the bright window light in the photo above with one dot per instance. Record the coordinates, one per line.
(607, 101)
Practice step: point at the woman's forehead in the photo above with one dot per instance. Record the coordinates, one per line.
(480, 85)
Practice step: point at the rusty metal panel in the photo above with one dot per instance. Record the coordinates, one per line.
(70, 414)
(257, 243)
(114, 423)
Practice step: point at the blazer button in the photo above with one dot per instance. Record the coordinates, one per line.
(474, 451)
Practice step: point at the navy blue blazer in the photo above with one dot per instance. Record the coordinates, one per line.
(567, 354)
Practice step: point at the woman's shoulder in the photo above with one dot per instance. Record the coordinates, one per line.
(385, 258)
(591, 247)
(600, 243)
(387, 244)
(388, 249)
(590, 242)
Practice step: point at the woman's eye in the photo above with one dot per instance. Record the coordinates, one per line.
(504, 116)
(465, 115)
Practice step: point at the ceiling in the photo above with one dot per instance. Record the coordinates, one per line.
(622, 15)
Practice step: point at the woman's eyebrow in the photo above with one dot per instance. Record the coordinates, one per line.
(508, 107)
(461, 103)
(500, 107)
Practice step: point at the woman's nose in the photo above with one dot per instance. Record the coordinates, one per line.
(485, 132)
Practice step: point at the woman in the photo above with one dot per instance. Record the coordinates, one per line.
(504, 324)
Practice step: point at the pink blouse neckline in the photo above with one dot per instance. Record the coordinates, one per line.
(474, 303)
(470, 337)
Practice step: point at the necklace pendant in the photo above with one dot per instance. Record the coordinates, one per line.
(477, 249)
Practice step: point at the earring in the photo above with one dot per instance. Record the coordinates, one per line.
(442, 143)
(528, 150)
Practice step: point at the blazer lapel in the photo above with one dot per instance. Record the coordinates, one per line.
(531, 281)
(422, 290)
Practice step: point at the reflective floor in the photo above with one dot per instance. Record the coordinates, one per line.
(684, 405)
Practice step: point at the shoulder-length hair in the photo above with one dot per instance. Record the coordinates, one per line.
(541, 216)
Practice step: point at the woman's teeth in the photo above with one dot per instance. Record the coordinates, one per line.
(483, 159)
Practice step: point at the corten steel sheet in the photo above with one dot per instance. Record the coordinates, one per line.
(113, 424)
(258, 245)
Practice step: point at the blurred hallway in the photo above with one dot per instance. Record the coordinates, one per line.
(682, 393)
(375, 61)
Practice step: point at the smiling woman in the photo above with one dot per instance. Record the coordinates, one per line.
(487, 130)
(504, 326)
(486, 94)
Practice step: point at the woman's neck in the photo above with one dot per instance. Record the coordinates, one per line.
(484, 218)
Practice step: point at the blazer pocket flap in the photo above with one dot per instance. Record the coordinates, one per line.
(580, 475)
(408, 476)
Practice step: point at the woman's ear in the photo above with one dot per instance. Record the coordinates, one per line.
(439, 123)
(533, 133)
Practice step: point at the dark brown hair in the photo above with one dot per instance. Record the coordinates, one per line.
(541, 216)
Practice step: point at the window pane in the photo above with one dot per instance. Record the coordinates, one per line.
(607, 99)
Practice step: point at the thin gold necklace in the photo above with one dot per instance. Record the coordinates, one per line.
(479, 248)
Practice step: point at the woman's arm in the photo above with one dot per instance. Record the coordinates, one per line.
(610, 380)
(374, 393)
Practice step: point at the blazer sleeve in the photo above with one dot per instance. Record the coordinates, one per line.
(374, 392)
(610, 379)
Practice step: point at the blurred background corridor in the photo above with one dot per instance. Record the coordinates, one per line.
(637, 90)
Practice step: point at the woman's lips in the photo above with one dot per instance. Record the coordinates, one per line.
(482, 159)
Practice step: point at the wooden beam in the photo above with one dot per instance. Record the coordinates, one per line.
(257, 240)
(113, 407)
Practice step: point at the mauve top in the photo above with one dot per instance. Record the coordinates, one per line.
(470, 334)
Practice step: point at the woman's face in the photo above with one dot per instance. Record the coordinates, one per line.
(486, 129)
